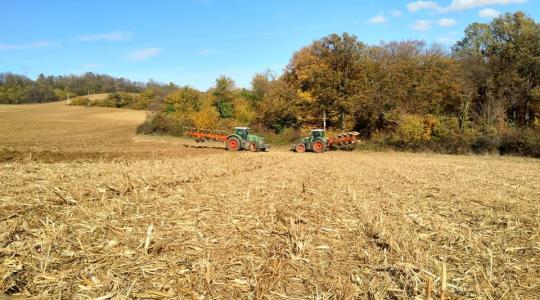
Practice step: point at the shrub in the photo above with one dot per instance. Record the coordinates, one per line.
(445, 127)
(522, 141)
(160, 123)
(286, 137)
(484, 144)
(80, 101)
(207, 117)
(410, 133)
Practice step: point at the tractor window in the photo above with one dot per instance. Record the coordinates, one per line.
(242, 132)
(317, 134)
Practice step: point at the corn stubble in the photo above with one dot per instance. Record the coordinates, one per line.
(278, 225)
(158, 220)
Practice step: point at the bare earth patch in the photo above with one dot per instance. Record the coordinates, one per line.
(161, 220)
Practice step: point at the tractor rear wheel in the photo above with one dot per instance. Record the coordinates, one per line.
(254, 147)
(318, 146)
(300, 148)
(233, 144)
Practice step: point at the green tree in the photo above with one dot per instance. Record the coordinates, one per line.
(224, 94)
(502, 59)
(183, 101)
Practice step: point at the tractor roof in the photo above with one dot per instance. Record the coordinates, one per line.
(241, 127)
(317, 130)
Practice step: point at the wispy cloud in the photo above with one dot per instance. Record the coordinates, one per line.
(420, 5)
(33, 45)
(468, 4)
(377, 20)
(143, 54)
(205, 52)
(456, 5)
(421, 25)
(446, 22)
(488, 13)
(396, 13)
(113, 36)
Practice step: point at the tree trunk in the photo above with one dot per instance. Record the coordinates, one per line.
(527, 111)
(342, 119)
(324, 119)
(464, 114)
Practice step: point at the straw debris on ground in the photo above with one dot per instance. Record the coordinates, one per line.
(152, 219)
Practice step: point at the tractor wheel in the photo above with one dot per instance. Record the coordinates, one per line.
(300, 148)
(254, 147)
(318, 146)
(233, 144)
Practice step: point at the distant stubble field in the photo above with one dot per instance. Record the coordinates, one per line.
(88, 210)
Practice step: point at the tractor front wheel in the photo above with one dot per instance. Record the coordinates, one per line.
(233, 144)
(254, 147)
(318, 146)
(300, 148)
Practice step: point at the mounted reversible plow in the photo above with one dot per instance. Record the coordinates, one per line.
(318, 142)
(241, 139)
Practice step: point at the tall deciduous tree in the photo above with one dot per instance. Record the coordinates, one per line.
(332, 72)
(223, 93)
(502, 59)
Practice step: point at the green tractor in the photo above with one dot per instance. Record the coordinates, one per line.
(316, 142)
(241, 139)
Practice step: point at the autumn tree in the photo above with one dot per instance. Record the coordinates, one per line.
(331, 72)
(183, 101)
(502, 61)
(278, 108)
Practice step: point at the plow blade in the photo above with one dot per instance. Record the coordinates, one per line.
(206, 135)
(347, 140)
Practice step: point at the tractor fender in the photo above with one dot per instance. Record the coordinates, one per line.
(236, 136)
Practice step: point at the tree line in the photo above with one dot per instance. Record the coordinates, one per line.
(18, 89)
(482, 96)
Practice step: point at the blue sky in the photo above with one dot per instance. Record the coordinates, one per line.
(192, 42)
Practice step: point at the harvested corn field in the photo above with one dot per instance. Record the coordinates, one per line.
(154, 220)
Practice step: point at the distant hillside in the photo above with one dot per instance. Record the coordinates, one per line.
(91, 97)
(19, 89)
(118, 100)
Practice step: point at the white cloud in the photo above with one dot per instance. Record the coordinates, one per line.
(377, 20)
(143, 54)
(419, 5)
(421, 25)
(33, 45)
(488, 13)
(457, 5)
(114, 36)
(468, 4)
(205, 52)
(396, 13)
(445, 22)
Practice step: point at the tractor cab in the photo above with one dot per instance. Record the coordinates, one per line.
(317, 133)
(242, 132)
